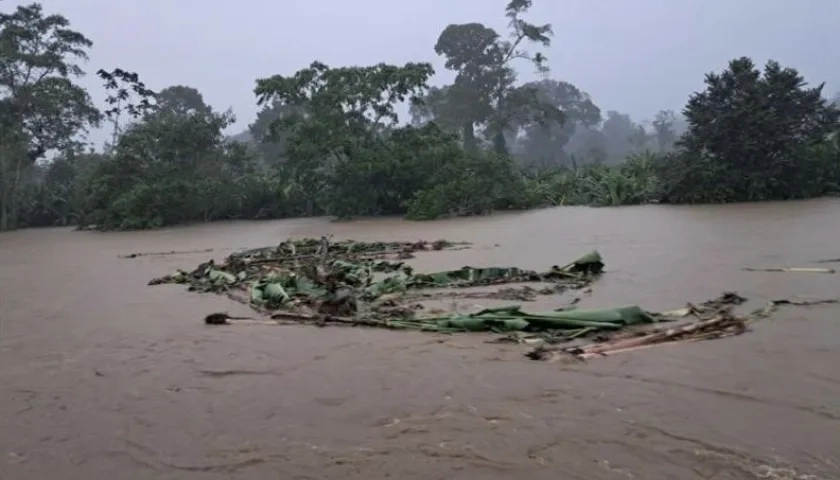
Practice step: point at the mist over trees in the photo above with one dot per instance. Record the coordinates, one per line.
(330, 140)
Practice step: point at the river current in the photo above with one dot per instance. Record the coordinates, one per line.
(102, 375)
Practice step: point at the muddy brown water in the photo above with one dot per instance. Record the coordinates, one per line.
(102, 375)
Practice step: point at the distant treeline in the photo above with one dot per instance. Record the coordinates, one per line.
(328, 140)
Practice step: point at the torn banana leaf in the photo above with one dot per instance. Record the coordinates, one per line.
(472, 323)
(219, 276)
(467, 276)
(280, 289)
(383, 287)
(512, 318)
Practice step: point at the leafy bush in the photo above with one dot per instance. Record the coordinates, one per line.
(753, 135)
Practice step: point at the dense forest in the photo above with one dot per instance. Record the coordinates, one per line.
(351, 141)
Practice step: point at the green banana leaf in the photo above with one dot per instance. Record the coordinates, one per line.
(219, 276)
(383, 287)
(512, 318)
(280, 289)
(465, 275)
(471, 323)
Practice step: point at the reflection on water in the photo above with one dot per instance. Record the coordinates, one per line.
(104, 375)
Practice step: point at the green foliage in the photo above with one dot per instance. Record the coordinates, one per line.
(339, 118)
(472, 184)
(663, 127)
(484, 93)
(629, 183)
(329, 141)
(41, 109)
(265, 135)
(753, 136)
(543, 142)
(172, 166)
(59, 197)
(127, 95)
(387, 176)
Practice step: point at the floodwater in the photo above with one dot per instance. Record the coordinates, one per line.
(101, 375)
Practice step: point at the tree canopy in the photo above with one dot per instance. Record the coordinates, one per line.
(41, 108)
(752, 135)
(330, 140)
(484, 93)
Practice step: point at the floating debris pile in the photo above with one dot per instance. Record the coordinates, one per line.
(349, 278)
(320, 282)
(709, 320)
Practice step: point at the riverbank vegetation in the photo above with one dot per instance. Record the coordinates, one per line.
(352, 141)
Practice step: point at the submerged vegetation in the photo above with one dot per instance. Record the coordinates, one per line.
(331, 140)
(369, 284)
(347, 278)
(351, 283)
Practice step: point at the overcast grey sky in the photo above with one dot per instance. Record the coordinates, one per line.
(636, 56)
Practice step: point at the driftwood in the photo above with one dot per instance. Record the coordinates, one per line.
(172, 252)
(829, 260)
(805, 303)
(722, 324)
(719, 326)
(322, 320)
(791, 270)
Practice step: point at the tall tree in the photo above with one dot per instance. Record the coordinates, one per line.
(543, 144)
(664, 130)
(268, 132)
(181, 101)
(449, 108)
(170, 166)
(623, 136)
(127, 99)
(41, 108)
(484, 89)
(750, 137)
(338, 116)
(587, 145)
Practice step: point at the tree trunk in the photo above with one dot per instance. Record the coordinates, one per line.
(468, 134)
(7, 215)
(8, 208)
(10, 174)
(500, 144)
(4, 218)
